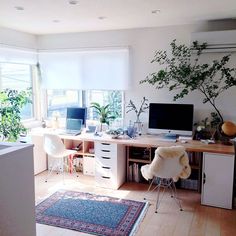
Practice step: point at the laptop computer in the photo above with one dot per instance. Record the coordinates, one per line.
(73, 126)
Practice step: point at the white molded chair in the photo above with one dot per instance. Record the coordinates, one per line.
(54, 147)
(168, 165)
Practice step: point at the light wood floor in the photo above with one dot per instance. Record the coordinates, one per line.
(195, 220)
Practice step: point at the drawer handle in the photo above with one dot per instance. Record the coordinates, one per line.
(106, 144)
(105, 150)
(105, 177)
(104, 167)
(108, 158)
(204, 178)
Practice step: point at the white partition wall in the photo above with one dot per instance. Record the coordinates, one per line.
(17, 196)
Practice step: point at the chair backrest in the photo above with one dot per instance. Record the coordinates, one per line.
(166, 163)
(53, 145)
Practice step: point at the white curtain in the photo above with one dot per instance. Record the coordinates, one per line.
(92, 69)
(17, 55)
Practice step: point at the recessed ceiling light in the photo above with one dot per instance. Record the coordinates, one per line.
(55, 21)
(73, 2)
(19, 8)
(102, 17)
(156, 11)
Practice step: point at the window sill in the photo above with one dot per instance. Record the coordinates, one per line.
(31, 123)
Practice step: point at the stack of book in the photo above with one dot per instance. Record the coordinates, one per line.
(189, 184)
(194, 158)
(134, 173)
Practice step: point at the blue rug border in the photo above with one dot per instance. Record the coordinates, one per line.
(133, 229)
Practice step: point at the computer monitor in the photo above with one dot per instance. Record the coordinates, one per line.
(170, 118)
(77, 113)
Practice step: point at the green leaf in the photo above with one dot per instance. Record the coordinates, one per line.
(11, 102)
(183, 69)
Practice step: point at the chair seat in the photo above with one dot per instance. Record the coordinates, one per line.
(65, 153)
(69, 152)
(56, 150)
(168, 164)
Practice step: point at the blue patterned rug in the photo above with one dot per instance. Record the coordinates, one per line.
(89, 213)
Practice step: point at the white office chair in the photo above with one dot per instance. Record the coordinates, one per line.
(54, 147)
(168, 165)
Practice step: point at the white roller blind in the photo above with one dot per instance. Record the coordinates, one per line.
(60, 70)
(93, 69)
(108, 70)
(15, 55)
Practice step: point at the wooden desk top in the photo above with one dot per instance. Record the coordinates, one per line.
(145, 141)
(151, 141)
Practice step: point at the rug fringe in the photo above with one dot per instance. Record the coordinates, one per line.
(139, 220)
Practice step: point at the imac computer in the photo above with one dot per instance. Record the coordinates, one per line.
(171, 119)
(77, 113)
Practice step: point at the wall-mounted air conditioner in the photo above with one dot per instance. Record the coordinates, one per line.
(217, 41)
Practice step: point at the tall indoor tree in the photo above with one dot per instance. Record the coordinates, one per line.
(184, 72)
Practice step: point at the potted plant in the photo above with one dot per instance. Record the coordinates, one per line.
(11, 102)
(104, 112)
(138, 111)
(182, 71)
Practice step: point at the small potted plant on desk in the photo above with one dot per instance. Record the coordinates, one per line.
(138, 111)
(104, 112)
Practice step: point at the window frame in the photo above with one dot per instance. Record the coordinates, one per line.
(34, 84)
(82, 101)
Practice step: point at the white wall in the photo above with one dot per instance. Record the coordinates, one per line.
(143, 43)
(15, 38)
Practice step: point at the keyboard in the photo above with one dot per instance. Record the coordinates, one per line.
(71, 132)
(167, 138)
(164, 139)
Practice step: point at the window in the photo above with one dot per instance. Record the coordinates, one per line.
(19, 77)
(59, 100)
(114, 98)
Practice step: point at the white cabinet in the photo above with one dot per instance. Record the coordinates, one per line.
(88, 165)
(40, 157)
(217, 180)
(110, 165)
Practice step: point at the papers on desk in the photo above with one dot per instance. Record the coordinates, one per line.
(208, 141)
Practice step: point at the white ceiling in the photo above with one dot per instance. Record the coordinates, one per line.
(38, 16)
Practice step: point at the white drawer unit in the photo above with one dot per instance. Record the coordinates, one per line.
(110, 165)
(217, 180)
